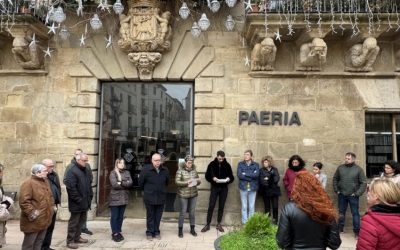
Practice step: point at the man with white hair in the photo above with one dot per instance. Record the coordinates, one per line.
(36, 203)
(78, 183)
(55, 186)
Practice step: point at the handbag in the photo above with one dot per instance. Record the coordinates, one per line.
(4, 214)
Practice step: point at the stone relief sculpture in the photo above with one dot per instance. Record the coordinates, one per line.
(145, 32)
(397, 60)
(28, 56)
(263, 55)
(360, 57)
(313, 55)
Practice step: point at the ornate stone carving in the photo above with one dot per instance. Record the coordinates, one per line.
(145, 29)
(28, 55)
(145, 62)
(313, 55)
(360, 57)
(263, 55)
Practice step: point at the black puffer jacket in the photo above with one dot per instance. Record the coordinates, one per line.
(298, 231)
(268, 180)
(78, 182)
(119, 193)
(154, 184)
(221, 171)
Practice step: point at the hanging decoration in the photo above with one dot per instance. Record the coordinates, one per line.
(229, 23)
(214, 6)
(196, 31)
(118, 7)
(95, 22)
(47, 52)
(64, 33)
(109, 41)
(58, 15)
(184, 11)
(231, 3)
(203, 22)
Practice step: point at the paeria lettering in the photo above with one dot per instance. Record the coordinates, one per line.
(270, 118)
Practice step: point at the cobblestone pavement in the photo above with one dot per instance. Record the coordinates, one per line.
(134, 233)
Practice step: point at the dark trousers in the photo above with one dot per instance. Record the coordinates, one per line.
(268, 201)
(49, 233)
(353, 201)
(74, 226)
(153, 219)
(117, 218)
(33, 241)
(222, 192)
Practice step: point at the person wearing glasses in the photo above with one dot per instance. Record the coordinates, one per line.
(55, 187)
(78, 151)
(36, 203)
(153, 179)
(79, 188)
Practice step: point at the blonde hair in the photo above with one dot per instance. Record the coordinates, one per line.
(386, 191)
(117, 171)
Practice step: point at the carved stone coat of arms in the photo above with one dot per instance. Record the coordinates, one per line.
(145, 33)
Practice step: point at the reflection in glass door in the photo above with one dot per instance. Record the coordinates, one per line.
(139, 119)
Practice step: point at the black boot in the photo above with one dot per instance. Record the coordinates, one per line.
(180, 232)
(192, 232)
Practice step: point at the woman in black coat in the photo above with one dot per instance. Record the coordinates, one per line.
(309, 220)
(268, 179)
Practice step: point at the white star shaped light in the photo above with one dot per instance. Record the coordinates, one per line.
(52, 29)
(47, 52)
(246, 61)
(247, 5)
(278, 36)
(82, 40)
(109, 41)
(33, 42)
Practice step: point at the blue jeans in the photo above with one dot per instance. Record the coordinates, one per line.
(353, 201)
(185, 202)
(248, 199)
(117, 218)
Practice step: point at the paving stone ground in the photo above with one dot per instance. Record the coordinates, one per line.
(135, 239)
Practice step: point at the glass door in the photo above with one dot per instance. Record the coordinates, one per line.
(139, 119)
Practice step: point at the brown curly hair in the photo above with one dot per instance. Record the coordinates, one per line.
(311, 197)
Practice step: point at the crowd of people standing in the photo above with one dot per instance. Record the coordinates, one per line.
(308, 220)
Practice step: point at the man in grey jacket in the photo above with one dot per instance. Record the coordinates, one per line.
(349, 182)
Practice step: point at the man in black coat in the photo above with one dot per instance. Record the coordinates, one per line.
(219, 174)
(78, 183)
(55, 186)
(153, 180)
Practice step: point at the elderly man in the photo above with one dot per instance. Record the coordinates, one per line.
(153, 180)
(55, 186)
(78, 151)
(78, 183)
(36, 203)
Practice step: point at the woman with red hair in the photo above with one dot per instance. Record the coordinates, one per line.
(309, 220)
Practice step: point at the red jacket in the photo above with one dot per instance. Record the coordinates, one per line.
(288, 180)
(380, 229)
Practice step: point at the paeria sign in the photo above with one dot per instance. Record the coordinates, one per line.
(270, 118)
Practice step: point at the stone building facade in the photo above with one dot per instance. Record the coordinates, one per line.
(49, 112)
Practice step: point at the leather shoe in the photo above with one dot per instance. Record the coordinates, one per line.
(82, 240)
(220, 228)
(72, 245)
(205, 228)
(157, 236)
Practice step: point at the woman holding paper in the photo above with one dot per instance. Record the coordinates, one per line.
(187, 180)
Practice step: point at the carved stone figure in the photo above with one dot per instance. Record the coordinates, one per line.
(145, 29)
(263, 55)
(360, 57)
(313, 55)
(28, 56)
(145, 62)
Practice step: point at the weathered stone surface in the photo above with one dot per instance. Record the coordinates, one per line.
(83, 131)
(209, 101)
(15, 100)
(64, 84)
(15, 114)
(89, 85)
(8, 130)
(203, 85)
(88, 146)
(225, 117)
(282, 150)
(202, 148)
(78, 70)
(246, 86)
(214, 70)
(206, 132)
(25, 130)
(305, 87)
(88, 115)
(203, 116)
(332, 152)
(88, 100)
(245, 102)
(225, 85)
(91, 62)
(57, 115)
(310, 153)
(301, 102)
(202, 60)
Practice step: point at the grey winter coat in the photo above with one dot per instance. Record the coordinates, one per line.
(119, 194)
(183, 175)
(349, 179)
